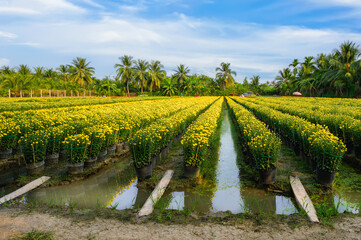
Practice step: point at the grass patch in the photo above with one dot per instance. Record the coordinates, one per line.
(36, 235)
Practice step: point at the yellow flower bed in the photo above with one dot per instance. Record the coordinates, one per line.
(315, 140)
(117, 121)
(198, 135)
(263, 145)
(149, 141)
(341, 116)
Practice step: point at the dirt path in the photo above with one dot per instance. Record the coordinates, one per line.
(12, 223)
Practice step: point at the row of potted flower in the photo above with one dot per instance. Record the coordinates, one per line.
(343, 121)
(147, 143)
(323, 149)
(45, 146)
(262, 144)
(124, 118)
(198, 137)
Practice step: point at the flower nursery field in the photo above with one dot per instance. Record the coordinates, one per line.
(216, 145)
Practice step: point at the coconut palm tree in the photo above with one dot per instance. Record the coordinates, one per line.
(169, 87)
(225, 75)
(294, 64)
(255, 83)
(285, 75)
(24, 69)
(124, 70)
(181, 75)
(18, 82)
(284, 80)
(141, 73)
(5, 70)
(156, 75)
(80, 71)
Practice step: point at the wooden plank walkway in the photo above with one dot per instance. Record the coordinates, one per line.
(28, 187)
(154, 197)
(303, 200)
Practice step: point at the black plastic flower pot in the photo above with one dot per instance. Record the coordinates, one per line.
(296, 149)
(111, 150)
(358, 152)
(155, 160)
(304, 157)
(313, 164)
(4, 155)
(191, 171)
(76, 168)
(35, 168)
(350, 147)
(102, 155)
(62, 155)
(325, 177)
(90, 162)
(268, 176)
(144, 172)
(52, 159)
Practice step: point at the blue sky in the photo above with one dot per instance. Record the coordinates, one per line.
(258, 37)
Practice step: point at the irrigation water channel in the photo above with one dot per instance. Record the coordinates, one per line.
(117, 188)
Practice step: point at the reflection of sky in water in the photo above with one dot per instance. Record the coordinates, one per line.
(342, 205)
(227, 196)
(285, 206)
(177, 201)
(125, 199)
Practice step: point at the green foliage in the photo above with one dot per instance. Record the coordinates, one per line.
(334, 74)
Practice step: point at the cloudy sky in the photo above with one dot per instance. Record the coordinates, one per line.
(258, 37)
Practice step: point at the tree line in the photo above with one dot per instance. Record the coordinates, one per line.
(335, 74)
(133, 76)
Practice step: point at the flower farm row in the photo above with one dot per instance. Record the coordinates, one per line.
(262, 145)
(319, 106)
(148, 142)
(318, 145)
(85, 132)
(24, 104)
(343, 121)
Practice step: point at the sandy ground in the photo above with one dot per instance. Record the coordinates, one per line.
(13, 223)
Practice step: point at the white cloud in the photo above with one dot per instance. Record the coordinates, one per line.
(7, 35)
(200, 44)
(36, 7)
(342, 3)
(4, 62)
(93, 3)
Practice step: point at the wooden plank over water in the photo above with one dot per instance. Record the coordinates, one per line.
(154, 197)
(302, 198)
(28, 187)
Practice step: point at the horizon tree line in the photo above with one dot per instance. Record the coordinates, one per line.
(131, 76)
(335, 74)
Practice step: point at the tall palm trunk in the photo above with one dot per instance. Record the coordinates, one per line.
(128, 88)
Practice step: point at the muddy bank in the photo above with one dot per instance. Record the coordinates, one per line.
(15, 221)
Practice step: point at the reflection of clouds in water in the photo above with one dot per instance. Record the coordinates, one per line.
(343, 205)
(227, 196)
(285, 206)
(177, 201)
(125, 198)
